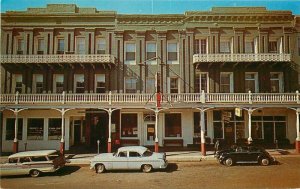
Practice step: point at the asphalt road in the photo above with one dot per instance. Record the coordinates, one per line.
(204, 174)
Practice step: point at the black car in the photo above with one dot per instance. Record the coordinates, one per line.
(245, 154)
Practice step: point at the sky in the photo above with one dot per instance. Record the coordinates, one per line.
(154, 6)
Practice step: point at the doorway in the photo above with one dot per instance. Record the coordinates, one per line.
(268, 132)
(77, 132)
(229, 132)
(149, 134)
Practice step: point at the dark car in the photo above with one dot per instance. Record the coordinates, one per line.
(246, 154)
(220, 152)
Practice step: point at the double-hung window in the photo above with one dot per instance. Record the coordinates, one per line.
(101, 46)
(41, 46)
(276, 82)
(226, 82)
(173, 84)
(172, 53)
(58, 83)
(251, 82)
(130, 50)
(79, 83)
(18, 78)
(225, 46)
(100, 83)
(20, 46)
(38, 83)
(60, 46)
(80, 45)
(130, 85)
(151, 53)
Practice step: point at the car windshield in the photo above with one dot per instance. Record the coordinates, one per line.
(147, 153)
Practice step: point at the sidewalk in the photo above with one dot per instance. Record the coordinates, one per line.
(182, 156)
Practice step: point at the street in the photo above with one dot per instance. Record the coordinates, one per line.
(204, 174)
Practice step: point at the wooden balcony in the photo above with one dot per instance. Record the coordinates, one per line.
(268, 57)
(58, 58)
(140, 100)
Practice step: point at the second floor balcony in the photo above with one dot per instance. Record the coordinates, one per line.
(266, 57)
(58, 58)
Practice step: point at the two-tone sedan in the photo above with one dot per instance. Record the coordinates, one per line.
(129, 158)
(246, 154)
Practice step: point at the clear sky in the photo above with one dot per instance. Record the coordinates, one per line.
(154, 6)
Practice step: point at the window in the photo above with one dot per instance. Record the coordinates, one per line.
(173, 125)
(217, 124)
(41, 46)
(226, 82)
(38, 83)
(60, 46)
(80, 45)
(20, 46)
(58, 83)
(272, 46)
(150, 85)
(225, 47)
(129, 125)
(18, 82)
(54, 128)
(101, 46)
(203, 46)
(172, 53)
(35, 128)
(10, 128)
(130, 53)
(130, 85)
(276, 82)
(151, 53)
(196, 46)
(251, 82)
(249, 47)
(197, 126)
(79, 83)
(39, 158)
(134, 154)
(173, 84)
(100, 83)
(202, 82)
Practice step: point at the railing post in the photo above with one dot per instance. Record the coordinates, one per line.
(109, 98)
(202, 96)
(63, 97)
(250, 97)
(17, 98)
(297, 97)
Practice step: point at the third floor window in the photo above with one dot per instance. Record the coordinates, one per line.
(151, 53)
(20, 46)
(60, 46)
(172, 53)
(100, 83)
(226, 82)
(79, 83)
(225, 47)
(130, 53)
(58, 83)
(251, 82)
(276, 82)
(80, 45)
(41, 46)
(101, 46)
(272, 46)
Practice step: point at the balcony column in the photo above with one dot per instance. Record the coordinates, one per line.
(62, 140)
(156, 128)
(250, 111)
(297, 131)
(202, 126)
(109, 111)
(15, 144)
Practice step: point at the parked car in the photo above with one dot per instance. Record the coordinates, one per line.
(33, 163)
(246, 154)
(220, 152)
(129, 158)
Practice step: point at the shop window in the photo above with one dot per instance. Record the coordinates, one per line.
(218, 130)
(173, 125)
(35, 128)
(129, 125)
(256, 130)
(54, 128)
(10, 129)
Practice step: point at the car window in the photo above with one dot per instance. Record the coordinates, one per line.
(39, 158)
(122, 154)
(13, 160)
(134, 154)
(24, 159)
(147, 153)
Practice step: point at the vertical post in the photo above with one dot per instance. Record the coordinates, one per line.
(250, 97)
(62, 140)
(156, 126)
(202, 126)
(297, 131)
(17, 98)
(1, 130)
(15, 145)
(109, 131)
(297, 97)
(249, 125)
(109, 100)
(202, 96)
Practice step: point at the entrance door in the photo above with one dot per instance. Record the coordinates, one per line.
(268, 132)
(149, 134)
(77, 131)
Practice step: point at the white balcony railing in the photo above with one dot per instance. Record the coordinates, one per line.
(58, 58)
(268, 57)
(141, 99)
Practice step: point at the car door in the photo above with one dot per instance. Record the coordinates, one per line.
(11, 168)
(253, 154)
(120, 160)
(241, 154)
(134, 160)
(25, 165)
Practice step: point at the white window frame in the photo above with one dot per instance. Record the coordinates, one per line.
(101, 78)
(255, 80)
(55, 77)
(21, 46)
(207, 81)
(280, 79)
(177, 49)
(35, 78)
(77, 46)
(100, 45)
(129, 62)
(15, 79)
(57, 42)
(223, 43)
(231, 85)
(169, 84)
(75, 81)
(134, 87)
(153, 61)
(251, 42)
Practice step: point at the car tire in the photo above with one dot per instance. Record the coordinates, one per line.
(264, 161)
(147, 168)
(35, 173)
(100, 168)
(228, 162)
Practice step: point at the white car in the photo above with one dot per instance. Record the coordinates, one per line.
(33, 163)
(129, 158)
